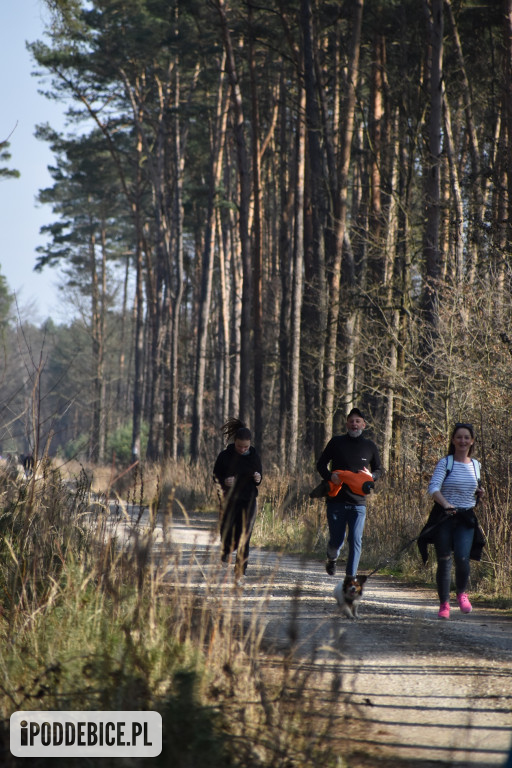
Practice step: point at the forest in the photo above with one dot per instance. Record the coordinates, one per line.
(275, 211)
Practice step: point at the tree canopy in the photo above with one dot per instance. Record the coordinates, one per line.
(279, 212)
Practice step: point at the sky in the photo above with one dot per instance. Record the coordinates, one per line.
(22, 108)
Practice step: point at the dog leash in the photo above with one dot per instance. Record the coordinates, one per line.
(448, 513)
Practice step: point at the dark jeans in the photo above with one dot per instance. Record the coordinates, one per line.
(454, 536)
(340, 516)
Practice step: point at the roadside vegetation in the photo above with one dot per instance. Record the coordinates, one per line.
(93, 620)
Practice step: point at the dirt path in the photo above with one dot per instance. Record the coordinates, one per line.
(417, 689)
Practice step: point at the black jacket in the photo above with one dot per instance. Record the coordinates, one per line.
(352, 453)
(229, 463)
(428, 532)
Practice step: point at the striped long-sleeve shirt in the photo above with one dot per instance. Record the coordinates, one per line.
(458, 486)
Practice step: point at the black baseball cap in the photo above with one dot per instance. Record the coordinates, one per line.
(356, 412)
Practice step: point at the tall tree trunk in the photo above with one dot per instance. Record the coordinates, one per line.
(138, 379)
(401, 284)
(433, 166)
(375, 129)
(355, 278)
(286, 276)
(314, 306)
(341, 204)
(476, 221)
(458, 223)
(391, 251)
(155, 340)
(217, 157)
(244, 205)
(445, 236)
(235, 267)
(256, 242)
(96, 346)
(176, 295)
(162, 274)
(121, 387)
(102, 433)
(224, 325)
(297, 286)
(507, 34)
(500, 223)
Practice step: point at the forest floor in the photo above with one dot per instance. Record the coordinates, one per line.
(416, 691)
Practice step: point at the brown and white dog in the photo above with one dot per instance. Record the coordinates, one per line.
(348, 594)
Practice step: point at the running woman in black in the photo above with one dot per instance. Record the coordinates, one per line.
(238, 472)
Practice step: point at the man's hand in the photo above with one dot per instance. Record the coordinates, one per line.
(335, 478)
(229, 481)
(257, 477)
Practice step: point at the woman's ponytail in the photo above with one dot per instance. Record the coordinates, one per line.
(236, 429)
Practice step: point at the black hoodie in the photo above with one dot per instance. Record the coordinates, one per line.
(352, 453)
(242, 467)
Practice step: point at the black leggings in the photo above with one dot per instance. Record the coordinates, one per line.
(236, 530)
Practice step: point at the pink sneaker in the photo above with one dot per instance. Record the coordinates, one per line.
(444, 611)
(464, 603)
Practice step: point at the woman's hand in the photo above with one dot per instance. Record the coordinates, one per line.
(257, 477)
(440, 499)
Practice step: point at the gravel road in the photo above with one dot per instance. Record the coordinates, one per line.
(418, 690)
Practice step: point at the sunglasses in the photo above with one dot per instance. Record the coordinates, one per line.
(464, 425)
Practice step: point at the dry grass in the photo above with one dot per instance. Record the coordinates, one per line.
(93, 620)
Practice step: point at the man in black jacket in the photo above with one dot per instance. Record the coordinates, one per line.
(347, 509)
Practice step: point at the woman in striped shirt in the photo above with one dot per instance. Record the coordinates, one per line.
(455, 492)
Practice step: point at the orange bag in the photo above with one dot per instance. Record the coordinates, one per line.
(360, 483)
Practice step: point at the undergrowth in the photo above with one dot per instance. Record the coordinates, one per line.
(92, 618)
